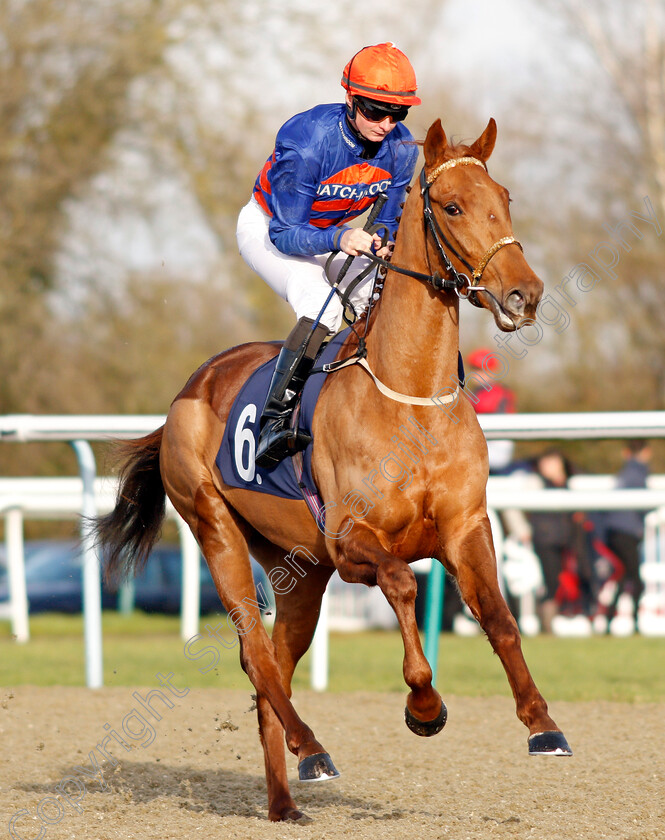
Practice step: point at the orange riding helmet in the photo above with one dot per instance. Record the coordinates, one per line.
(381, 72)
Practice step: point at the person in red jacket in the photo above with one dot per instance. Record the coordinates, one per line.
(490, 397)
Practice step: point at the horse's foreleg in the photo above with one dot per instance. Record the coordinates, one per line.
(281, 805)
(471, 558)
(362, 559)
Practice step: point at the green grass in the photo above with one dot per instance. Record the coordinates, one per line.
(136, 647)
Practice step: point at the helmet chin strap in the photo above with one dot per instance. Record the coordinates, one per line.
(370, 147)
(352, 109)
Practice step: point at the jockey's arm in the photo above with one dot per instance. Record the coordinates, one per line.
(295, 180)
(294, 185)
(355, 240)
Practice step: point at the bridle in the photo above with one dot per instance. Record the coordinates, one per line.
(462, 281)
(464, 285)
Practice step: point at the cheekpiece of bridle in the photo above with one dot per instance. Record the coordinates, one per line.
(463, 285)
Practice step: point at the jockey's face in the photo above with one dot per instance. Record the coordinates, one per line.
(369, 129)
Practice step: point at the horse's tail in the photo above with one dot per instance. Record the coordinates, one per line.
(127, 534)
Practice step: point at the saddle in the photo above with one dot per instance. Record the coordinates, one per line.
(292, 477)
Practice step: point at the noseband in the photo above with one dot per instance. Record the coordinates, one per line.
(461, 281)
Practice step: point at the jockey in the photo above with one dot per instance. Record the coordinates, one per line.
(328, 166)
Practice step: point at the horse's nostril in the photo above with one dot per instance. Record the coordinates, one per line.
(515, 302)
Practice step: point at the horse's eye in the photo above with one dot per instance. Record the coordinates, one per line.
(452, 209)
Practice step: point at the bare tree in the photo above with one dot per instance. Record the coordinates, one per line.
(628, 41)
(589, 140)
(64, 77)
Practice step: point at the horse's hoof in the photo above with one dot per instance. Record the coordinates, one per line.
(294, 815)
(290, 815)
(426, 728)
(317, 768)
(549, 743)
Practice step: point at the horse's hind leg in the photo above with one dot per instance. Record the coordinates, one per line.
(297, 613)
(226, 552)
(471, 558)
(191, 488)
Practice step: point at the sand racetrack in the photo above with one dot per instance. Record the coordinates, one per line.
(202, 775)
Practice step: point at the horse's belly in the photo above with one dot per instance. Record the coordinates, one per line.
(284, 522)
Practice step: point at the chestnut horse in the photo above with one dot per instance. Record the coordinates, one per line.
(436, 508)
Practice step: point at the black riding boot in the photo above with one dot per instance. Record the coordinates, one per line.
(295, 360)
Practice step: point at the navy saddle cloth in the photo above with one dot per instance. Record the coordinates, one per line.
(235, 458)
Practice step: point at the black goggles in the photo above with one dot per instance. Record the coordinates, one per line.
(376, 111)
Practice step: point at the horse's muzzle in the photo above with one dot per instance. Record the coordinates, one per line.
(521, 302)
(515, 304)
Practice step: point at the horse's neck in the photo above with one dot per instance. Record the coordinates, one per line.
(414, 341)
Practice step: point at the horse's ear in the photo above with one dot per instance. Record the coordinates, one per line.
(484, 145)
(435, 143)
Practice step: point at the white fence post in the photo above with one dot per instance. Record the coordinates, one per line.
(319, 666)
(92, 579)
(191, 582)
(18, 599)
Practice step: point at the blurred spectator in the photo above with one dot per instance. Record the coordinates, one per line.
(491, 397)
(560, 540)
(625, 528)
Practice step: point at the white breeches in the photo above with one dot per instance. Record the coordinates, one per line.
(299, 280)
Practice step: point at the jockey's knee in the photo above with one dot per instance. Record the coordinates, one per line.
(330, 318)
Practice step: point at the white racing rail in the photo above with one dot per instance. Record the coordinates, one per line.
(554, 426)
(63, 498)
(80, 430)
